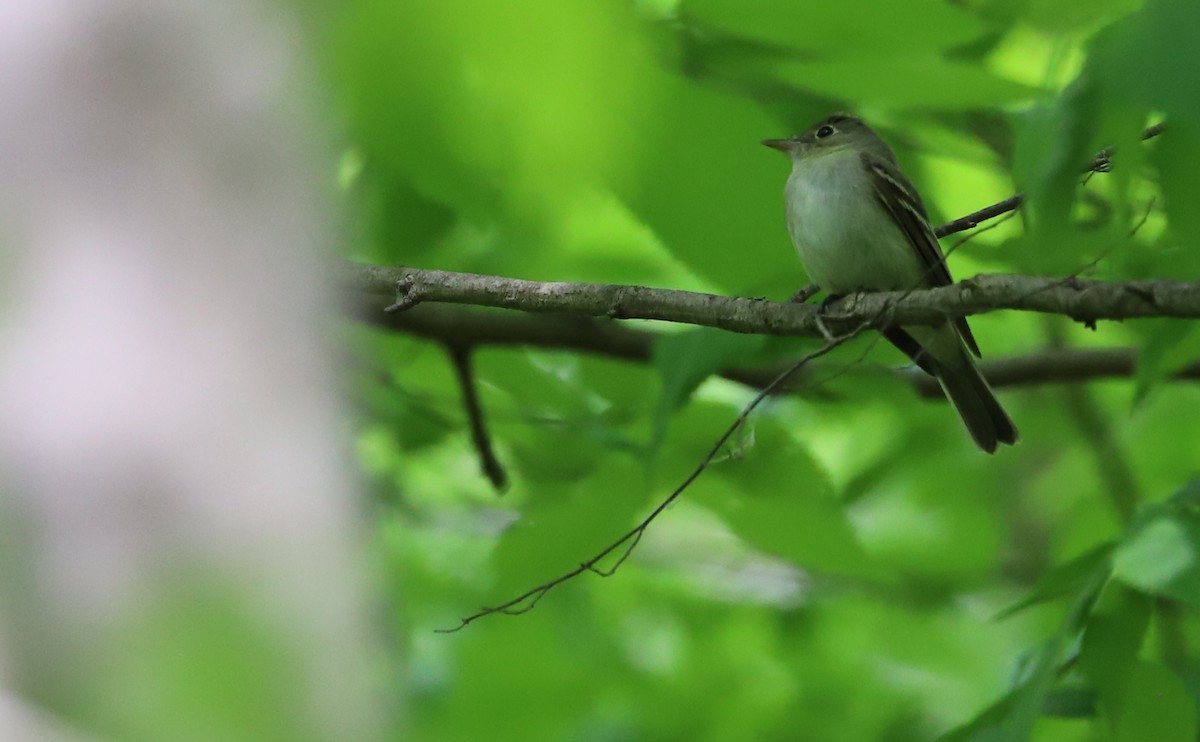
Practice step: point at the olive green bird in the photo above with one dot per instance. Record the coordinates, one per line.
(859, 225)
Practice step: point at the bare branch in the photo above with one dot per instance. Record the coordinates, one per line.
(460, 357)
(1083, 300)
(488, 327)
(972, 220)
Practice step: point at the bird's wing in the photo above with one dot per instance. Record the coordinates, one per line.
(903, 202)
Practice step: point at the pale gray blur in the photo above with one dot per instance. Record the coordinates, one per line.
(168, 404)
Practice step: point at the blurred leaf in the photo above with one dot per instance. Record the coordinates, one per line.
(1070, 703)
(1052, 147)
(555, 426)
(913, 82)
(684, 360)
(550, 452)
(416, 421)
(1161, 553)
(1156, 707)
(407, 225)
(491, 693)
(562, 528)
(713, 194)
(1112, 640)
(539, 385)
(808, 529)
(626, 389)
(852, 28)
(1067, 578)
(784, 505)
(1147, 63)
(1166, 347)
(406, 386)
(1060, 16)
(1177, 158)
(444, 94)
(1148, 60)
(199, 664)
(1012, 718)
(1188, 497)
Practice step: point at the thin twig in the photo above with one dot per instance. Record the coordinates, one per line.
(527, 600)
(972, 220)
(460, 357)
(1100, 163)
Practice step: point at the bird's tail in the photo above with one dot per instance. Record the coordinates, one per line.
(986, 420)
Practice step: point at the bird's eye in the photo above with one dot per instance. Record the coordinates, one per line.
(824, 131)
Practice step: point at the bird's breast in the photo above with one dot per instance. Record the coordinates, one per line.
(845, 237)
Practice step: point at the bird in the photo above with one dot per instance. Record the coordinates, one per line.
(858, 225)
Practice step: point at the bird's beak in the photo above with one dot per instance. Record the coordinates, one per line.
(783, 145)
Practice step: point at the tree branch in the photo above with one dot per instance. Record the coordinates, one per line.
(972, 220)
(460, 357)
(1084, 300)
(475, 328)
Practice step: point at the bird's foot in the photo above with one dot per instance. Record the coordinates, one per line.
(828, 302)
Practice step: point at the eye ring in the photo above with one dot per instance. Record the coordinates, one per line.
(824, 131)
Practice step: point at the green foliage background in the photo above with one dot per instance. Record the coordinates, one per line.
(851, 568)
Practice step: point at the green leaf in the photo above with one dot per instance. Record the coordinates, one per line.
(1149, 61)
(1177, 158)
(916, 82)
(1052, 147)
(1157, 706)
(986, 727)
(1112, 639)
(408, 227)
(1066, 578)
(467, 106)
(1147, 64)
(1070, 703)
(712, 193)
(782, 503)
(1012, 718)
(1161, 553)
(851, 28)
(684, 360)
(566, 525)
(1057, 17)
(807, 528)
(1166, 347)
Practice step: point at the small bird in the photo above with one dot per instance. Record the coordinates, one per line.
(859, 225)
